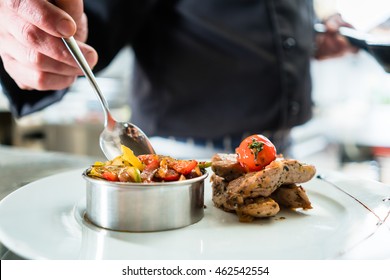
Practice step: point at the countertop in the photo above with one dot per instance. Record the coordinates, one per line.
(19, 167)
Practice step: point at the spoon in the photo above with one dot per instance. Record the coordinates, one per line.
(115, 133)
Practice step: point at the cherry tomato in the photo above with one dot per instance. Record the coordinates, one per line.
(110, 176)
(183, 166)
(255, 152)
(165, 173)
(170, 175)
(151, 161)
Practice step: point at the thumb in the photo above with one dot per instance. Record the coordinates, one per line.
(74, 8)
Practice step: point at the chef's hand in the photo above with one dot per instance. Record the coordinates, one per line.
(331, 43)
(31, 48)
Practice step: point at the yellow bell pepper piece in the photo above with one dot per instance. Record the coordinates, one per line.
(128, 155)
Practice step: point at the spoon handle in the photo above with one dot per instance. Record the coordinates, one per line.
(74, 49)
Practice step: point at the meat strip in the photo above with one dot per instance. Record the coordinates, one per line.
(266, 181)
(260, 207)
(227, 166)
(292, 196)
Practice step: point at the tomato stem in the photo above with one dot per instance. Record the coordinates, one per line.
(256, 147)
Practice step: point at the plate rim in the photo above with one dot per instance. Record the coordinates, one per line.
(31, 255)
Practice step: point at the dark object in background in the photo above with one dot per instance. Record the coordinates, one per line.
(6, 123)
(381, 52)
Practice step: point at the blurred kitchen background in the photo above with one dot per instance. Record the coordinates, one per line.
(350, 131)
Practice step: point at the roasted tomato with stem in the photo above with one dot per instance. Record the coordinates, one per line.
(255, 152)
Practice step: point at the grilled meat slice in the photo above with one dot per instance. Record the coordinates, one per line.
(227, 166)
(291, 196)
(258, 194)
(219, 186)
(259, 207)
(266, 181)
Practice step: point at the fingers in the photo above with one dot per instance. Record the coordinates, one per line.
(44, 15)
(74, 8)
(31, 37)
(31, 49)
(329, 46)
(332, 43)
(31, 58)
(32, 79)
(33, 70)
(335, 21)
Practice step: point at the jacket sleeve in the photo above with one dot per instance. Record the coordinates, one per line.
(114, 24)
(24, 102)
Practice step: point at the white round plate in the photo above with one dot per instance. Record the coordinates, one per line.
(44, 220)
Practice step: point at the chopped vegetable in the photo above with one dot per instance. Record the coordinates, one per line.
(183, 166)
(129, 174)
(110, 176)
(147, 168)
(128, 155)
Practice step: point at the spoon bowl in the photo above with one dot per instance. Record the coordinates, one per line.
(127, 134)
(115, 133)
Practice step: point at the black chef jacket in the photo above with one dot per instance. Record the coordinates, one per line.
(204, 68)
